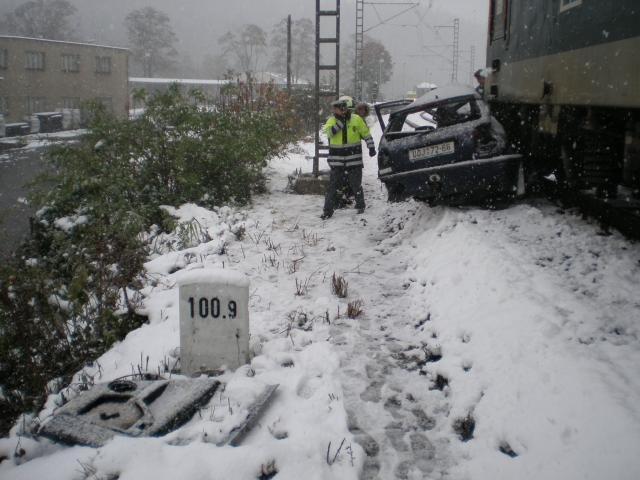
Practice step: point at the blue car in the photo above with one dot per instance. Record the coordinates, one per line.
(445, 147)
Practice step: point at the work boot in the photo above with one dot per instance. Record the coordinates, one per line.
(326, 215)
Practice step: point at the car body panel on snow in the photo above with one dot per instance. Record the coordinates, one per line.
(445, 146)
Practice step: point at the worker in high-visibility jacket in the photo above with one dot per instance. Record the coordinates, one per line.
(345, 131)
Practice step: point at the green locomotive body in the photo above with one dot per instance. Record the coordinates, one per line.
(565, 82)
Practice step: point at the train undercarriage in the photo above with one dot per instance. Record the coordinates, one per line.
(588, 156)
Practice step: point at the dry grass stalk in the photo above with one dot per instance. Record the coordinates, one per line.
(354, 309)
(339, 286)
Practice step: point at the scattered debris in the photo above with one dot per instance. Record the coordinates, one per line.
(127, 407)
(464, 427)
(440, 382)
(507, 450)
(236, 436)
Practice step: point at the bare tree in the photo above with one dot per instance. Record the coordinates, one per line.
(151, 39)
(302, 48)
(377, 66)
(217, 66)
(41, 19)
(246, 47)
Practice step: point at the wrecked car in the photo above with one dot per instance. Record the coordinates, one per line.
(445, 147)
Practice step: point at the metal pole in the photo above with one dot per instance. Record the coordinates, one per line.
(337, 48)
(472, 63)
(316, 157)
(289, 54)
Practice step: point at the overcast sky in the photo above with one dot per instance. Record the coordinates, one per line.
(420, 51)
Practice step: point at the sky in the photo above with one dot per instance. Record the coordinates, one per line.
(420, 52)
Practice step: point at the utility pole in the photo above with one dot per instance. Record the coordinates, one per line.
(289, 54)
(472, 63)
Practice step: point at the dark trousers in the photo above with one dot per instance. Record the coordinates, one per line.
(353, 177)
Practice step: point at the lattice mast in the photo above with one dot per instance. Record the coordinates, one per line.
(335, 68)
(358, 74)
(456, 50)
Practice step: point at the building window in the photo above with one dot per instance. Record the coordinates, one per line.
(36, 104)
(71, 102)
(4, 60)
(70, 63)
(35, 61)
(103, 64)
(498, 18)
(567, 4)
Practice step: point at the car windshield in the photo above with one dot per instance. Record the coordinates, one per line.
(433, 117)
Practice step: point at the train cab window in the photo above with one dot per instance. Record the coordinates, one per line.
(567, 4)
(498, 16)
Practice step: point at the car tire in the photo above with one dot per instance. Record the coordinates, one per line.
(395, 193)
(599, 169)
(499, 202)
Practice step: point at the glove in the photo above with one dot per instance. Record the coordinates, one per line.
(372, 152)
(337, 127)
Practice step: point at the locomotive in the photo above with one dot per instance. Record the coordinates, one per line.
(565, 82)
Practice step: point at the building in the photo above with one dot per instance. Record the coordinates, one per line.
(424, 87)
(38, 75)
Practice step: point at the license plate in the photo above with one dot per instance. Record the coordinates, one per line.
(431, 151)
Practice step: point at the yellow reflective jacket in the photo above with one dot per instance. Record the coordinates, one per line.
(345, 149)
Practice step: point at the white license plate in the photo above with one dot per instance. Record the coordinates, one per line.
(431, 151)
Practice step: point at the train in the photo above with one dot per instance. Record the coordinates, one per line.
(565, 82)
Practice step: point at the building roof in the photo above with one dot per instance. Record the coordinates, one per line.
(17, 37)
(180, 81)
(425, 85)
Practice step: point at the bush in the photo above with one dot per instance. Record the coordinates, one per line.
(72, 289)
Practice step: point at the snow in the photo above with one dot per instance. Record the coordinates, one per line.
(525, 319)
(69, 223)
(444, 92)
(211, 275)
(39, 140)
(64, 42)
(182, 81)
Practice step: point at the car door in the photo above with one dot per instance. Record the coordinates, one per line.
(388, 107)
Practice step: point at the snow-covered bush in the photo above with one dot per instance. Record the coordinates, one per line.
(72, 290)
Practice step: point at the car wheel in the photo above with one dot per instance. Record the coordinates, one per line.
(499, 202)
(395, 193)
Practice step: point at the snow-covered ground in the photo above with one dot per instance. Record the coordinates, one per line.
(38, 140)
(518, 330)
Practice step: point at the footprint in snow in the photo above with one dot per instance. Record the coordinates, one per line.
(307, 386)
(373, 392)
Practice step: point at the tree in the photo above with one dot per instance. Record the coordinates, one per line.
(41, 19)
(245, 47)
(151, 39)
(302, 48)
(377, 66)
(217, 66)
